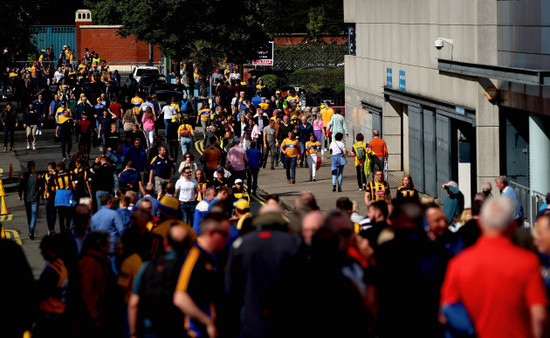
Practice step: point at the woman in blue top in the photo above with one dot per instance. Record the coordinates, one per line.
(338, 160)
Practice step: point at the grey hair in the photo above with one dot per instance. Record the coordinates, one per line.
(497, 213)
(453, 184)
(486, 187)
(502, 179)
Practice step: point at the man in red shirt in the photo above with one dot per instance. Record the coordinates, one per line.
(380, 149)
(498, 283)
(115, 108)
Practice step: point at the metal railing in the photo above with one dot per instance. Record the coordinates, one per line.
(529, 199)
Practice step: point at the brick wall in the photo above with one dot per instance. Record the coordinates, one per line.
(113, 47)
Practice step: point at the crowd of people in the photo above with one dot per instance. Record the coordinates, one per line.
(136, 269)
(149, 248)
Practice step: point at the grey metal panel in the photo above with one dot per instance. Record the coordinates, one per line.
(446, 108)
(429, 153)
(512, 74)
(416, 149)
(443, 153)
(377, 122)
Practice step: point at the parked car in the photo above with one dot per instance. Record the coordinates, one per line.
(148, 83)
(140, 71)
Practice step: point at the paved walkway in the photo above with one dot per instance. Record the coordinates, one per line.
(274, 182)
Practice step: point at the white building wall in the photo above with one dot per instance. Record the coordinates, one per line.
(400, 34)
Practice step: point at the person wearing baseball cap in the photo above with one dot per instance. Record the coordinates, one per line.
(169, 211)
(239, 192)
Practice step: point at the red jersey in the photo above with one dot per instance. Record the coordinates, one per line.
(497, 282)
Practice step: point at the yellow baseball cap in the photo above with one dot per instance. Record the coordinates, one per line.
(242, 204)
(169, 204)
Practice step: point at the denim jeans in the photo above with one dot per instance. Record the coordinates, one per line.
(188, 212)
(9, 130)
(185, 145)
(166, 124)
(302, 151)
(338, 173)
(290, 163)
(32, 214)
(252, 180)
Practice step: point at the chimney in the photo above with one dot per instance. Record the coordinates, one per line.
(82, 17)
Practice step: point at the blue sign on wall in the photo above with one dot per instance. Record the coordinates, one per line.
(402, 85)
(389, 78)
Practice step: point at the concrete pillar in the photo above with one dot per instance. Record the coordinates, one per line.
(539, 148)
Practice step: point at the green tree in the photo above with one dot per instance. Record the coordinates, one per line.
(197, 31)
(15, 20)
(316, 24)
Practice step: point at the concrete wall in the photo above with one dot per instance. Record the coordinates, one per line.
(400, 34)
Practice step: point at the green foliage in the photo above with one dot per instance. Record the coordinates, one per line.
(273, 81)
(285, 16)
(316, 79)
(106, 12)
(15, 20)
(316, 23)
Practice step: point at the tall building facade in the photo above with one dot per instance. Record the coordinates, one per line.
(457, 88)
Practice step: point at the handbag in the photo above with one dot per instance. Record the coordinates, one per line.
(319, 163)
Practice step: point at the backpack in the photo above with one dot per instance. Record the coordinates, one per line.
(184, 131)
(360, 152)
(156, 296)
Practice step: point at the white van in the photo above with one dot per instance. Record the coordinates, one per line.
(140, 71)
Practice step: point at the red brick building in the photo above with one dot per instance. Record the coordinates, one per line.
(104, 40)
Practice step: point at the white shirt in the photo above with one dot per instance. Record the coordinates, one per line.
(58, 75)
(169, 111)
(144, 106)
(336, 147)
(186, 189)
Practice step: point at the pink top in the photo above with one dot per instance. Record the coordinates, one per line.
(148, 124)
(318, 125)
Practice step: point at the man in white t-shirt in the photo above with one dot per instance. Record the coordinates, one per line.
(186, 188)
(169, 111)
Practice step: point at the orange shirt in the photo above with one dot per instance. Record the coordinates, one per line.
(379, 147)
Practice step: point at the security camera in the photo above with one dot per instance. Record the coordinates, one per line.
(438, 44)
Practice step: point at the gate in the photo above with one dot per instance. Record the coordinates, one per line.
(416, 147)
(443, 154)
(429, 153)
(42, 36)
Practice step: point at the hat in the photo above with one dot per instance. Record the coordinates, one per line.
(236, 140)
(220, 170)
(238, 181)
(169, 204)
(278, 92)
(64, 46)
(242, 204)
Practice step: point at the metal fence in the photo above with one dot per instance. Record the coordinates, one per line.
(530, 200)
(43, 36)
(288, 58)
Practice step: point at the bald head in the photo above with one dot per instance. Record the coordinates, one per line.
(180, 239)
(310, 224)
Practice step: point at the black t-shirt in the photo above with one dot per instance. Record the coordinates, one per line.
(104, 179)
(112, 139)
